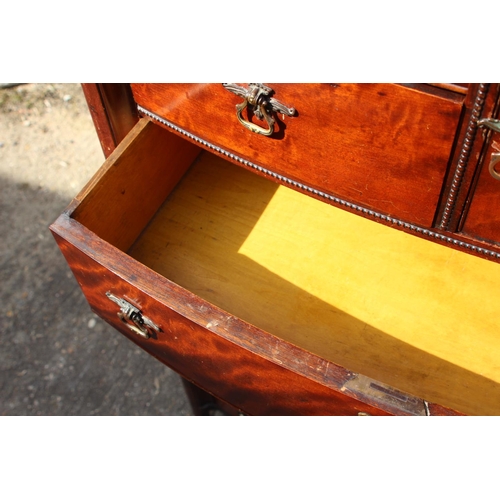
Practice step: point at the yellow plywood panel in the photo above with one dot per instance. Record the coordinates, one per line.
(406, 311)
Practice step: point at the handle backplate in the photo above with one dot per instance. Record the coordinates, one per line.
(492, 124)
(133, 318)
(258, 97)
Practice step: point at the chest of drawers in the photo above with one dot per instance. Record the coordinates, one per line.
(338, 255)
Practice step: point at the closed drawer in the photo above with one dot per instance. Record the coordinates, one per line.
(385, 147)
(274, 301)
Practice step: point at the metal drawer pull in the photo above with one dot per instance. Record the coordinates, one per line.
(490, 123)
(258, 96)
(140, 324)
(494, 125)
(495, 158)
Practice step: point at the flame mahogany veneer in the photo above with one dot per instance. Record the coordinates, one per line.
(408, 156)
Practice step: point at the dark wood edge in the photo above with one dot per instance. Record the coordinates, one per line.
(231, 328)
(113, 112)
(202, 402)
(100, 117)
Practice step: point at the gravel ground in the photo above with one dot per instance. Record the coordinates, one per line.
(56, 356)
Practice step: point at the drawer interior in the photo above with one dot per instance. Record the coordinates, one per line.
(415, 315)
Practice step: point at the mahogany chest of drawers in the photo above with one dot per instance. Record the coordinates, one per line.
(300, 249)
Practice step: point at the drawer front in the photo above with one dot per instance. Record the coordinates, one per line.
(385, 147)
(223, 368)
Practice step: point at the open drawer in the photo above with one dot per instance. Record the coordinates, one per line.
(274, 301)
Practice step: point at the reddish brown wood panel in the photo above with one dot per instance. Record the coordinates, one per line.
(483, 218)
(461, 88)
(459, 186)
(100, 117)
(384, 146)
(240, 364)
(480, 217)
(133, 182)
(113, 111)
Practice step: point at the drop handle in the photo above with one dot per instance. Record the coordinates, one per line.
(494, 125)
(258, 97)
(494, 161)
(133, 318)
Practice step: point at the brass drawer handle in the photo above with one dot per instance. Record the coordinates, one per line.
(258, 96)
(133, 317)
(495, 158)
(490, 123)
(494, 125)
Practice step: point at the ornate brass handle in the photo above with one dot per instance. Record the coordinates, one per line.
(494, 125)
(133, 317)
(258, 96)
(495, 159)
(490, 123)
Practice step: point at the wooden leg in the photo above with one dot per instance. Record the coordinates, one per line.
(204, 404)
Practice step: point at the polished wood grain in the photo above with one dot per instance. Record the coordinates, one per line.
(252, 370)
(100, 117)
(241, 359)
(113, 111)
(458, 190)
(120, 107)
(353, 141)
(238, 374)
(483, 218)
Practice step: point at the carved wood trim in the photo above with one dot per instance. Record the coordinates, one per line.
(464, 157)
